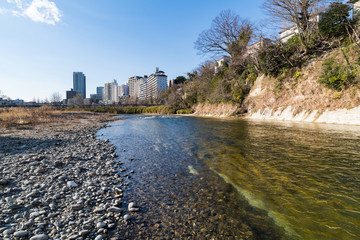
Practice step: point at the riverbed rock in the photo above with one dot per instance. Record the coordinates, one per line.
(72, 184)
(40, 237)
(59, 185)
(8, 232)
(99, 237)
(76, 207)
(132, 207)
(21, 234)
(115, 209)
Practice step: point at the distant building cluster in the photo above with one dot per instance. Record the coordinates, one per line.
(16, 102)
(140, 88)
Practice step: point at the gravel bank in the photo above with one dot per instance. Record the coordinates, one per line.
(58, 181)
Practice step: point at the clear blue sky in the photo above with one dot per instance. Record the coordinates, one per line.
(44, 41)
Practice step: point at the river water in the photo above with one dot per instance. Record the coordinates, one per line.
(210, 178)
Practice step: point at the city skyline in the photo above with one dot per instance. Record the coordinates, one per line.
(105, 41)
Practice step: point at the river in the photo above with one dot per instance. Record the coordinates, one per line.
(211, 178)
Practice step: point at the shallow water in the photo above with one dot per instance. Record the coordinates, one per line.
(302, 177)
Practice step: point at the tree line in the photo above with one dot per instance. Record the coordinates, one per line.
(321, 27)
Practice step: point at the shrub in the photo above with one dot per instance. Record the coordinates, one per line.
(298, 74)
(337, 76)
(185, 111)
(274, 58)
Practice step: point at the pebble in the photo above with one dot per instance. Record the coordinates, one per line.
(132, 207)
(42, 198)
(100, 225)
(99, 237)
(39, 237)
(127, 217)
(115, 209)
(76, 207)
(72, 184)
(8, 232)
(84, 232)
(21, 233)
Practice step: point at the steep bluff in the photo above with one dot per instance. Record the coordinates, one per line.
(302, 98)
(214, 110)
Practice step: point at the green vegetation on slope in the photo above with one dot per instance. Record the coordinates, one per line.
(281, 60)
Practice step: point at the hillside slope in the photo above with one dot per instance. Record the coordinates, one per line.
(301, 98)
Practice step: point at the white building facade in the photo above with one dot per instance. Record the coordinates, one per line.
(123, 90)
(156, 83)
(111, 92)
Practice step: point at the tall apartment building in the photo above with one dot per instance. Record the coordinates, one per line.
(134, 86)
(123, 90)
(79, 83)
(111, 92)
(100, 93)
(156, 83)
(143, 93)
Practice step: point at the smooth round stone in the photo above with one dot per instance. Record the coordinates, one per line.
(34, 214)
(76, 207)
(21, 233)
(39, 237)
(100, 225)
(84, 232)
(115, 209)
(71, 184)
(127, 217)
(8, 232)
(99, 237)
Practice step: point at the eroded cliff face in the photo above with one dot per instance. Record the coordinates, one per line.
(302, 98)
(214, 110)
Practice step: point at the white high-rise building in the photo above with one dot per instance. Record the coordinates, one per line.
(143, 94)
(134, 85)
(156, 83)
(111, 92)
(123, 90)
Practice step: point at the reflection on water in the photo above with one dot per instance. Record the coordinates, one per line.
(305, 176)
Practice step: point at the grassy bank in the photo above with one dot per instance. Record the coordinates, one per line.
(133, 110)
(27, 116)
(18, 116)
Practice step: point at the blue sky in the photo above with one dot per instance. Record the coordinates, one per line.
(44, 41)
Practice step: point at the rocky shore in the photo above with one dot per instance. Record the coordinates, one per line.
(58, 181)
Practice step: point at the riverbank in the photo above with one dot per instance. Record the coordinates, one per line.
(59, 181)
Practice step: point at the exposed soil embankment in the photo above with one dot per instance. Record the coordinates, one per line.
(214, 110)
(302, 98)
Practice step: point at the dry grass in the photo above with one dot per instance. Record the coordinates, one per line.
(27, 116)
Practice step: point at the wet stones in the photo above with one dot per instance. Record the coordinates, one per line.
(115, 209)
(132, 207)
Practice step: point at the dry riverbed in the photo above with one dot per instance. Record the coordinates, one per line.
(58, 181)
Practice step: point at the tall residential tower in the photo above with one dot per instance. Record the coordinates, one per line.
(79, 83)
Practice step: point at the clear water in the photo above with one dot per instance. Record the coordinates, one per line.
(305, 177)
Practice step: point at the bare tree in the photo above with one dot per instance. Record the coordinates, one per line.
(228, 34)
(302, 13)
(55, 97)
(2, 95)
